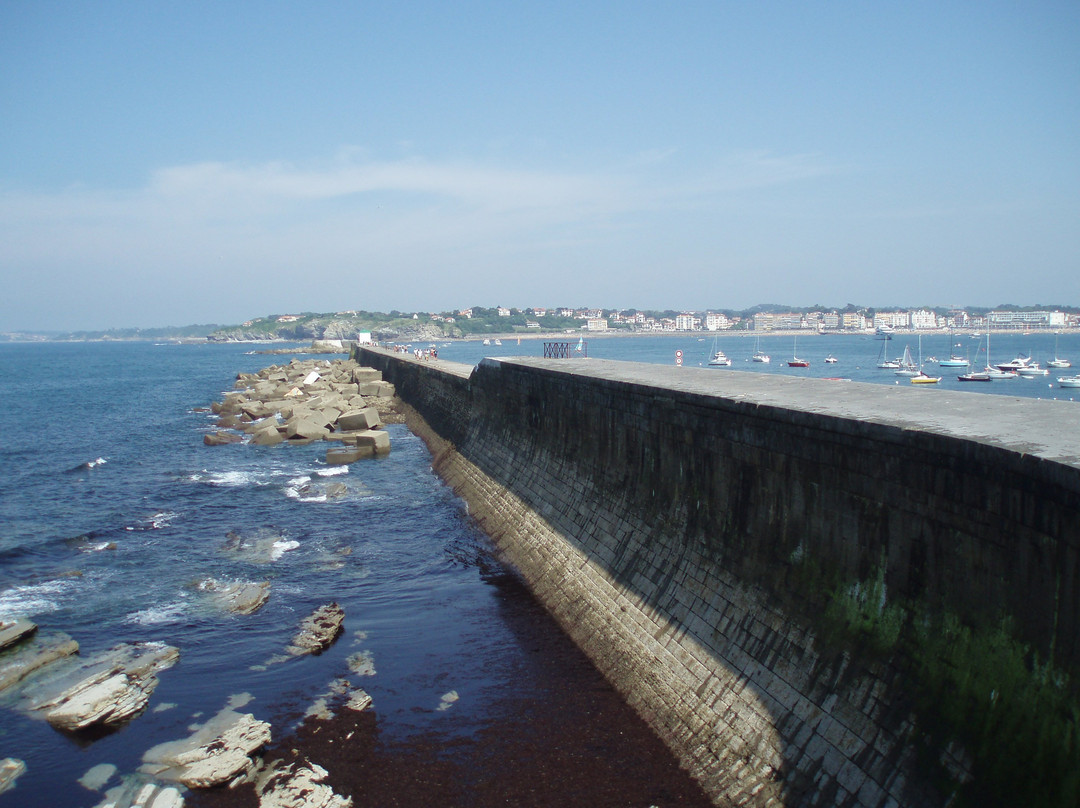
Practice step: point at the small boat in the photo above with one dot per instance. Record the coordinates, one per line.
(487, 342)
(1068, 381)
(883, 358)
(1057, 361)
(1032, 370)
(498, 342)
(907, 365)
(719, 360)
(795, 362)
(925, 378)
(1015, 364)
(955, 360)
(999, 375)
(760, 355)
(973, 377)
(831, 360)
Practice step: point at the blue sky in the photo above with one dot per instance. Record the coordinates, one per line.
(177, 163)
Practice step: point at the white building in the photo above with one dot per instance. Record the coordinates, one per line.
(923, 319)
(596, 324)
(687, 322)
(717, 322)
(1026, 319)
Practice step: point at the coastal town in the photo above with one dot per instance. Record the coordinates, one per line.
(850, 319)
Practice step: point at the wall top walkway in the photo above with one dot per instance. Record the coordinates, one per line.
(1045, 429)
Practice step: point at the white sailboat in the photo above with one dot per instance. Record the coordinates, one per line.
(760, 355)
(1057, 361)
(883, 358)
(907, 364)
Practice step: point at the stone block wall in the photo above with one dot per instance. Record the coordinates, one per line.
(671, 532)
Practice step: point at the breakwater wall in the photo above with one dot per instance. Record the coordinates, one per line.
(817, 592)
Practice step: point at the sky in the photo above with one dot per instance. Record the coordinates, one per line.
(169, 163)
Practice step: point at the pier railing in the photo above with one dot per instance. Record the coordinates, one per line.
(566, 350)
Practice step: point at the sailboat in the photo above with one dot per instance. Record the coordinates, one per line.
(954, 360)
(975, 375)
(760, 355)
(883, 358)
(1057, 361)
(795, 362)
(996, 374)
(719, 359)
(922, 377)
(907, 364)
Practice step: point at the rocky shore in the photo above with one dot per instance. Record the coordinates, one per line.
(47, 678)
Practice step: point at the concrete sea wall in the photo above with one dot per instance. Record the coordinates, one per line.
(768, 568)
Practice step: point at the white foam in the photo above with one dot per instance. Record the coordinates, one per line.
(162, 519)
(281, 547)
(100, 461)
(333, 472)
(228, 478)
(155, 615)
(27, 601)
(298, 481)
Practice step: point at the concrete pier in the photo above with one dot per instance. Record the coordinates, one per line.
(696, 532)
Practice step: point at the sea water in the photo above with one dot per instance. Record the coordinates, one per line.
(112, 510)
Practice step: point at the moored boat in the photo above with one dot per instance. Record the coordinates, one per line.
(719, 360)
(831, 360)
(1068, 381)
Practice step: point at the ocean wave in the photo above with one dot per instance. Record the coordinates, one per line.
(334, 471)
(34, 599)
(156, 615)
(229, 479)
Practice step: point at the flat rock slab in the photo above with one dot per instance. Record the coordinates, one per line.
(298, 785)
(106, 689)
(14, 631)
(238, 597)
(20, 661)
(215, 753)
(318, 631)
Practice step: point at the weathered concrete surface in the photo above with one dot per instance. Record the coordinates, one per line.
(683, 527)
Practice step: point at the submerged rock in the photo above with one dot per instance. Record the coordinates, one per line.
(140, 793)
(106, 689)
(10, 771)
(19, 662)
(217, 752)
